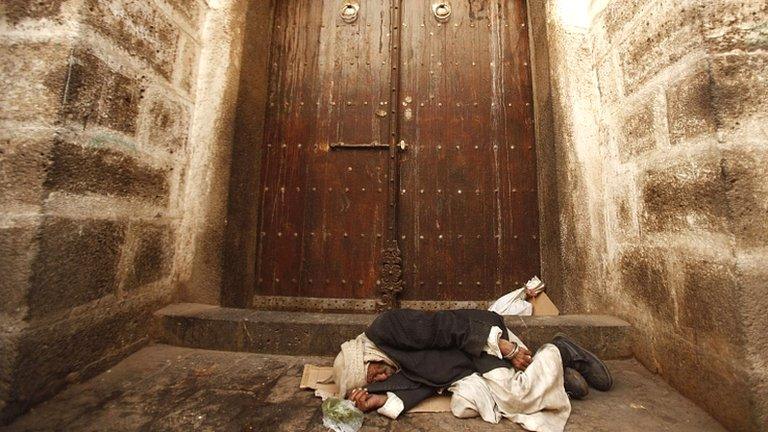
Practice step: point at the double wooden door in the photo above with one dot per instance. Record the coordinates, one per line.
(399, 157)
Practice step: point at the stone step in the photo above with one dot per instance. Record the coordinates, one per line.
(320, 334)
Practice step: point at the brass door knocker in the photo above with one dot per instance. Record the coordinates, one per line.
(442, 11)
(349, 12)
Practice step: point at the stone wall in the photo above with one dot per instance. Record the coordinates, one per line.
(660, 114)
(96, 102)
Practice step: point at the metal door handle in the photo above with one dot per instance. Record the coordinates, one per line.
(402, 145)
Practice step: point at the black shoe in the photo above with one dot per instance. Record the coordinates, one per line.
(587, 364)
(575, 385)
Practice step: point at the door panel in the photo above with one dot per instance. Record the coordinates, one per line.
(467, 205)
(323, 210)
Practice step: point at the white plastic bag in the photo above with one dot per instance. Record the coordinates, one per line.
(341, 415)
(512, 304)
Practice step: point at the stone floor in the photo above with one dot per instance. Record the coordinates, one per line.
(165, 388)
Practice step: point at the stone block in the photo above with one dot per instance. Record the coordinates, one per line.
(753, 275)
(186, 70)
(81, 170)
(746, 171)
(619, 14)
(32, 81)
(645, 277)
(740, 90)
(7, 366)
(152, 255)
(707, 302)
(608, 79)
(301, 333)
(689, 107)
(167, 124)
(76, 348)
(664, 35)
(635, 135)
(138, 27)
(695, 372)
(189, 9)
(17, 247)
(97, 93)
(688, 194)
(16, 11)
(76, 263)
(622, 204)
(24, 162)
(735, 25)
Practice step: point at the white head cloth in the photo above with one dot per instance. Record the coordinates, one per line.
(350, 366)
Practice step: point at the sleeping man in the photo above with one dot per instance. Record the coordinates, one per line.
(406, 356)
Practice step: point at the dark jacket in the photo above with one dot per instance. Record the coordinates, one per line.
(433, 349)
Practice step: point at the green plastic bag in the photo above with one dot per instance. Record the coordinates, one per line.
(341, 415)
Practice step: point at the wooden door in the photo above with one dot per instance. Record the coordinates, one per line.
(324, 196)
(467, 205)
(460, 201)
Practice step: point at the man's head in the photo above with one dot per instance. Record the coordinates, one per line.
(378, 371)
(359, 363)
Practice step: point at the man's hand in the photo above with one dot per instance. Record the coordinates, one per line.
(365, 401)
(522, 357)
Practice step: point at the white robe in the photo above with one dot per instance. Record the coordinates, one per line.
(534, 398)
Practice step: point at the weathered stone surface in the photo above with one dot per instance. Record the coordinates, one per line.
(7, 363)
(76, 263)
(645, 277)
(689, 107)
(16, 254)
(745, 174)
(180, 389)
(23, 167)
(32, 80)
(211, 327)
(735, 25)
(662, 37)
(243, 207)
(97, 93)
(186, 73)
(78, 169)
(608, 81)
(695, 372)
(707, 303)
(740, 89)
(152, 255)
(619, 14)
(189, 9)
(636, 131)
(62, 352)
(686, 195)
(140, 28)
(752, 282)
(167, 124)
(16, 11)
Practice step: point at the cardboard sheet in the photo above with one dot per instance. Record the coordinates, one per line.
(319, 379)
(542, 305)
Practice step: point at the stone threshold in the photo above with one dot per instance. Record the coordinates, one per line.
(320, 334)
